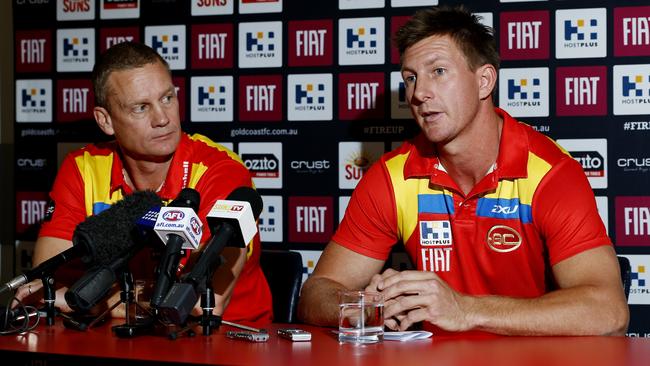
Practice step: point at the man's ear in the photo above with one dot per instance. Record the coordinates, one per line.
(103, 119)
(487, 76)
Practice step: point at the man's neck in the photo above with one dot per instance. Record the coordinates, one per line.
(145, 175)
(469, 159)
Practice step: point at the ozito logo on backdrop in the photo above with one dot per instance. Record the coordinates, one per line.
(592, 162)
(262, 165)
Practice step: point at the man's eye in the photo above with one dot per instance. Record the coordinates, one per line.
(139, 108)
(439, 71)
(409, 79)
(167, 99)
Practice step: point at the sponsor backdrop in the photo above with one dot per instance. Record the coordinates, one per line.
(309, 94)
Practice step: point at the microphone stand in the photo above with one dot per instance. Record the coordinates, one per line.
(48, 298)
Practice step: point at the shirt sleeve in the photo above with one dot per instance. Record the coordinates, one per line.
(566, 214)
(67, 198)
(369, 226)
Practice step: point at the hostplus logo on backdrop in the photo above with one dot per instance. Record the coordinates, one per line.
(212, 7)
(212, 99)
(75, 49)
(270, 222)
(524, 35)
(581, 33)
(309, 260)
(310, 43)
(260, 44)
(260, 98)
(34, 100)
(264, 161)
(74, 100)
(524, 92)
(212, 46)
(581, 91)
(631, 89)
(309, 97)
(632, 31)
(632, 220)
(361, 41)
(33, 50)
(361, 95)
(355, 158)
(169, 42)
(592, 156)
(311, 219)
(109, 37)
(399, 106)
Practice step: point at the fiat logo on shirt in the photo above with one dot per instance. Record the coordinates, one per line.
(503, 239)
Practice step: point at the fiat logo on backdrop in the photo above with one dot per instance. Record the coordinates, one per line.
(174, 215)
(503, 239)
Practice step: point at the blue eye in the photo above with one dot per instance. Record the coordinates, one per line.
(139, 108)
(410, 79)
(439, 71)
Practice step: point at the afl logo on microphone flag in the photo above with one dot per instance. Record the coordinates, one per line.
(174, 215)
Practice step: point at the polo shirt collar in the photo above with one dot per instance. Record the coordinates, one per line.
(512, 160)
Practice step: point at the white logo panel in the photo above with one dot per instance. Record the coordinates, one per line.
(34, 100)
(212, 99)
(523, 92)
(119, 9)
(75, 49)
(631, 89)
(309, 97)
(169, 42)
(203, 7)
(360, 4)
(270, 222)
(264, 161)
(399, 106)
(309, 260)
(640, 284)
(265, 6)
(75, 10)
(260, 44)
(580, 33)
(355, 158)
(343, 205)
(592, 155)
(361, 41)
(405, 3)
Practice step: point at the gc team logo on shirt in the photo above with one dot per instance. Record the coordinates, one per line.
(309, 97)
(212, 98)
(503, 239)
(361, 41)
(524, 92)
(260, 44)
(580, 33)
(75, 49)
(631, 89)
(169, 42)
(435, 233)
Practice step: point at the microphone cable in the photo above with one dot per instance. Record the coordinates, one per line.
(21, 319)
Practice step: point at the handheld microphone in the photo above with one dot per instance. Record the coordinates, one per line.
(179, 227)
(94, 239)
(118, 232)
(232, 222)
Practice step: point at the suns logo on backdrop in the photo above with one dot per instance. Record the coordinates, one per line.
(212, 99)
(310, 219)
(33, 51)
(309, 97)
(260, 44)
(592, 155)
(640, 279)
(212, 46)
(360, 4)
(355, 158)
(631, 89)
(260, 98)
(75, 49)
(310, 43)
(361, 95)
(34, 100)
(270, 222)
(75, 100)
(260, 6)
(399, 106)
(169, 42)
(580, 33)
(524, 92)
(632, 220)
(119, 9)
(632, 31)
(361, 41)
(212, 7)
(524, 35)
(109, 37)
(264, 161)
(581, 91)
(30, 209)
(75, 10)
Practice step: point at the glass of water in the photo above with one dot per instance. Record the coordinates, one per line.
(361, 317)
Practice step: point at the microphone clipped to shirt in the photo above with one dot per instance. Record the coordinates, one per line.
(96, 240)
(179, 227)
(232, 222)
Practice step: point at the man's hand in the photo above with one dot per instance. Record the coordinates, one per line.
(415, 296)
(32, 294)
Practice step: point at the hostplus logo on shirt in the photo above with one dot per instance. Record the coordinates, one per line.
(75, 49)
(524, 92)
(435, 233)
(361, 41)
(260, 44)
(34, 100)
(631, 89)
(632, 31)
(309, 97)
(581, 33)
(169, 42)
(212, 98)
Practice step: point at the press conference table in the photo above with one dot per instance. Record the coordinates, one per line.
(56, 345)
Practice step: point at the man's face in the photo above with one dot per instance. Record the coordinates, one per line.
(442, 91)
(143, 112)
